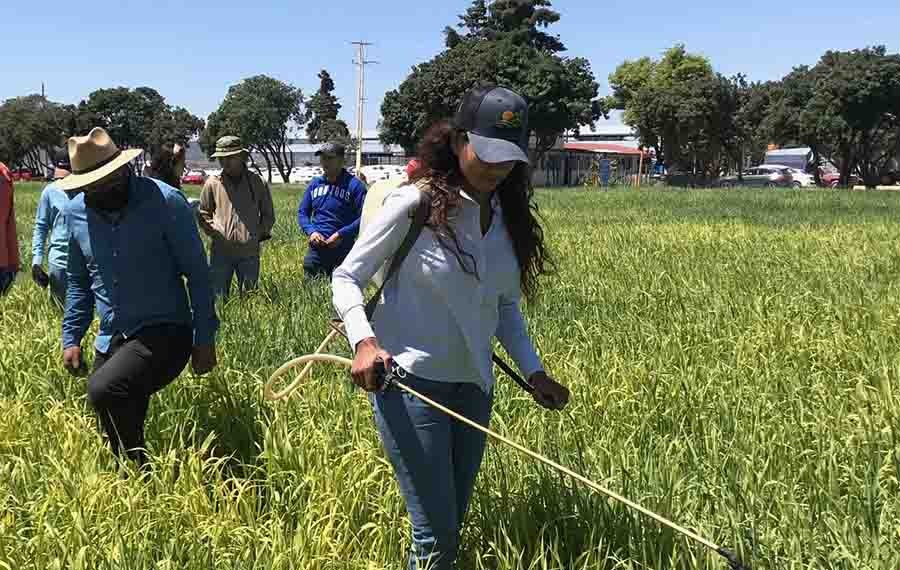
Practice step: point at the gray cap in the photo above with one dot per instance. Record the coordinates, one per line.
(332, 148)
(496, 119)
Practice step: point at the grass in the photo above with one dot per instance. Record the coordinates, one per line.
(734, 359)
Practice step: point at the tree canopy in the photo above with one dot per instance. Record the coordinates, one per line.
(846, 109)
(34, 127)
(263, 111)
(322, 114)
(503, 44)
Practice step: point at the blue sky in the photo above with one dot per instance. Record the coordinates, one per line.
(192, 51)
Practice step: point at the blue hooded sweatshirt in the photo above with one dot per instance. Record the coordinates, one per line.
(327, 208)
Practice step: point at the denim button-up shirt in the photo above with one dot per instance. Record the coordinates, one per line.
(130, 263)
(49, 220)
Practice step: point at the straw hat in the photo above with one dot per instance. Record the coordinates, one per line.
(93, 157)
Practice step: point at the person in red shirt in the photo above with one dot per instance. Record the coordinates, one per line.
(9, 242)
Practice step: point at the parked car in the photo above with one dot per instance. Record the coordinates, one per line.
(761, 176)
(305, 174)
(194, 177)
(832, 178)
(684, 179)
(21, 175)
(799, 178)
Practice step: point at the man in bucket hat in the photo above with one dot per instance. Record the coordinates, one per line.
(236, 212)
(330, 213)
(131, 240)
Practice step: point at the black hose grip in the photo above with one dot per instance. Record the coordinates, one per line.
(733, 561)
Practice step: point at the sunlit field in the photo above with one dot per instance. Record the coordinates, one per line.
(734, 361)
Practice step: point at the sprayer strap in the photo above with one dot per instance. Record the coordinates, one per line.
(415, 230)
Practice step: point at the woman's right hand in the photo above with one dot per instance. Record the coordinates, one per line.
(364, 370)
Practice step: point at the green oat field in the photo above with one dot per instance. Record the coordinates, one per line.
(734, 361)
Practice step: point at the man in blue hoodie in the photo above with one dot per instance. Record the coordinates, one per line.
(330, 212)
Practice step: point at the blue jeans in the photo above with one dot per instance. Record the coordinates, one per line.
(223, 268)
(435, 460)
(58, 282)
(321, 262)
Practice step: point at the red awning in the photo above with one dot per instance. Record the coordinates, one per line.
(604, 148)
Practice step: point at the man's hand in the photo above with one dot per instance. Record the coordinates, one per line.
(334, 240)
(39, 276)
(316, 240)
(203, 359)
(73, 362)
(548, 392)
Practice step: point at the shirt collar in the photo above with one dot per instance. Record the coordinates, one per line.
(495, 199)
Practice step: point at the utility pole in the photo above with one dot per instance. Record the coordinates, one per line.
(361, 62)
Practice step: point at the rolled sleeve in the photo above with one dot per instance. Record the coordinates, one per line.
(79, 311)
(187, 248)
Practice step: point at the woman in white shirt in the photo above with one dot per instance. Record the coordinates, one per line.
(459, 287)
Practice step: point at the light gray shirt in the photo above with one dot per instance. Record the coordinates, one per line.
(438, 321)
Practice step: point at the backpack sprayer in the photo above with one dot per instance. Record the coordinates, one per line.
(394, 376)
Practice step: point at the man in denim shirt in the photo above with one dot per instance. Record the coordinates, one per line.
(132, 239)
(49, 222)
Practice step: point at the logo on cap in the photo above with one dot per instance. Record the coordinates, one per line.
(509, 120)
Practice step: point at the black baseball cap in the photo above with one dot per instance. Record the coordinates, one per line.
(496, 119)
(332, 148)
(61, 159)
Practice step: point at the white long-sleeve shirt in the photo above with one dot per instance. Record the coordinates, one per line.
(436, 320)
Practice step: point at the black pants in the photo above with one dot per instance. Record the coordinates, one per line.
(124, 378)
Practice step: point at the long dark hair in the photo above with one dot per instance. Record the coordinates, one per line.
(162, 163)
(439, 170)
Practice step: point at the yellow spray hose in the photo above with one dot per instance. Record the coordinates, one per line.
(310, 359)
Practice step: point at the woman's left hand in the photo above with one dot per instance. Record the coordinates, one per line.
(548, 392)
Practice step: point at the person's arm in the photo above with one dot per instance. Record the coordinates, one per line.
(190, 257)
(8, 223)
(351, 230)
(41, 229)
(79, 311)
(512, 332)
(206, 212)
(304, 212)
(513, 335)
(266, 213)
(380, 241)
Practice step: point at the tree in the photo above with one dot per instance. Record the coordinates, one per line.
(504, 46)
(135, 118)
(519, 21)
(740, 111)
(671, 103)
(856, 102)
(263, 111)
(788, 121)
(322, 112)
(32, 128)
